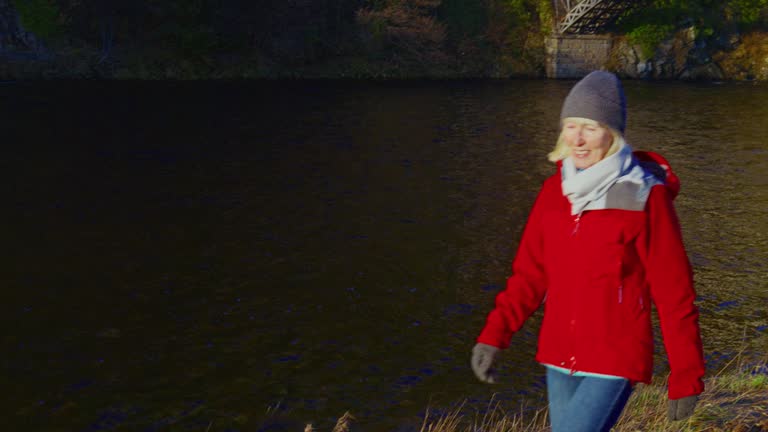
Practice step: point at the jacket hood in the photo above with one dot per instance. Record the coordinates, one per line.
(655, 164)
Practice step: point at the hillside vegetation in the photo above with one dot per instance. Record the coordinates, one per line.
(192, 39)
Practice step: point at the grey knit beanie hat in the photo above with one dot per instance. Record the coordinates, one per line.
(600, 97)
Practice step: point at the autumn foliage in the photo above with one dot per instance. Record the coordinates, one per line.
(404, 32)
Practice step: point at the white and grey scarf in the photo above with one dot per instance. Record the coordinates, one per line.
(616, 182)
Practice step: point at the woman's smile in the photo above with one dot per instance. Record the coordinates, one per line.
(589, 142)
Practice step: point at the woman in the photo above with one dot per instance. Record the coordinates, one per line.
(602, 241)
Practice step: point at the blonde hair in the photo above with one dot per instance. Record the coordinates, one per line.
(562, 151)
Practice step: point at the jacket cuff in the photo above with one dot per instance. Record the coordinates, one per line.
(679, 390)
(486, 337)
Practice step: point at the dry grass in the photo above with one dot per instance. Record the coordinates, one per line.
(732, 402)
(494, 420)
(342, 424)
(735, 400)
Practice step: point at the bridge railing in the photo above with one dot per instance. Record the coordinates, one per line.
(588, 16)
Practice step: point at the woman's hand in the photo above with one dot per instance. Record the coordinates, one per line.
(681, 409)
(483, 356)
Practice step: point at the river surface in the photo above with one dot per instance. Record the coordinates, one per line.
(256, 256)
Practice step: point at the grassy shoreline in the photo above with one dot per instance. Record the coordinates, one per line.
(735, 400)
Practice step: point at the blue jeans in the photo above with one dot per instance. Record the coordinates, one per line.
(584, 403)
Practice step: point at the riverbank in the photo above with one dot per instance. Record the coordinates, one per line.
(680, 57)
(382, 39)
(735, 400)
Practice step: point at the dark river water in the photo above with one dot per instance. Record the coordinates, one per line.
(256, 256)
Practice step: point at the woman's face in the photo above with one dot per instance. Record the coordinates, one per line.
(588, 143)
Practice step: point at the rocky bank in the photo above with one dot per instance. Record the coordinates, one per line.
(684, 57)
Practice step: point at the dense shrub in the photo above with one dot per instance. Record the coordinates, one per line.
(41, 17)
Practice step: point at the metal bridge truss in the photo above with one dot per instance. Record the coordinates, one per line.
(590, 16)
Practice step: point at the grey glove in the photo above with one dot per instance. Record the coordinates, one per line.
(681, 409)
(482, 362)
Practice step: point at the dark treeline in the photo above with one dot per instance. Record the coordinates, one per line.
(254, 38)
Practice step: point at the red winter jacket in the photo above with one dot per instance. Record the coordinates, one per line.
(597, 280)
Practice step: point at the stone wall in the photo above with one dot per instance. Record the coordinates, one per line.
(681, 56)
(573, 56)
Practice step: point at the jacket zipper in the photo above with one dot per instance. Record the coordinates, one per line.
(621, 293)
(572, 360)
(576, 222)
(571, 364)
